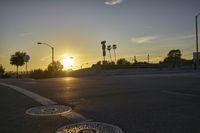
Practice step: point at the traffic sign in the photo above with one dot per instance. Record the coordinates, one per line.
(26, 58)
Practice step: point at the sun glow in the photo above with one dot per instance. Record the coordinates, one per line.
(67, 62)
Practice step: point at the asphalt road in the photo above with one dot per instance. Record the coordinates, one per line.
(151, 103)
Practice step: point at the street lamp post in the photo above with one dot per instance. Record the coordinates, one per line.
(197, 41)
(52, 48)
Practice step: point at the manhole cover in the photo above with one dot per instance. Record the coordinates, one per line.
(49, 110)
(89, 127)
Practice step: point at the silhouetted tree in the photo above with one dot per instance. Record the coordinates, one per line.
(114, 48)
(2, 70)
(37, 74)
(109, 48)
(17, 59)
(173, 57)
(135, 60)
(110, 63)
(56, 66)
(123, 61)
(98, 63)
(103, 43)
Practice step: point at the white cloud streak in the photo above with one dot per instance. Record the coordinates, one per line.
(145, 39)
(179, 38)
(113, 2)
(45, 58)
(183, 37)
(25, 34)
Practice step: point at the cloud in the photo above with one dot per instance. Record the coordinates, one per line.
(179, 38)
(184, 37)
(26, 34)
(45, 58)
(113, 2)
(145, 39)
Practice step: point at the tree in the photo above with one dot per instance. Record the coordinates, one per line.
(56, 66)
(98, 63)
(123, 61)
(2, 70)
(114, 48)
(109, 48)
(173, 57)
(17, 59)
(135, 60)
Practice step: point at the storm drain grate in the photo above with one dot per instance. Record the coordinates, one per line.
(89, 127)
(49, 110)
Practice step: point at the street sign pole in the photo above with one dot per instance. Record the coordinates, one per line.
(26, 69)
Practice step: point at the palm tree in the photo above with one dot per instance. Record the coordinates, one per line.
(17, 59)
(114, 48)
(103, 43)
(109, 48)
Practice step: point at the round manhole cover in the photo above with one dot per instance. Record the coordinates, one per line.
(49, 110)
(89, 127)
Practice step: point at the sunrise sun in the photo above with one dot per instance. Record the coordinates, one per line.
(67, 62)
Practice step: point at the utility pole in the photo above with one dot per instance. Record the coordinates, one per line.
(148, 58)
(26, 58)
(197, 41)
(52, 54)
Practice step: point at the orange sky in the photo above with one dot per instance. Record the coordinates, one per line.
(76, 28)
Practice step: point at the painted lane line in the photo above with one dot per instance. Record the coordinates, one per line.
(34, 96)
(76, 118)
(73, 116)
(179, 93)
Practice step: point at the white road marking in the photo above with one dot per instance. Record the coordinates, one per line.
(34, 96)
(73, 116)
(179, 93)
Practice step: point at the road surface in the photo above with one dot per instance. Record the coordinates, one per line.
(145, 103)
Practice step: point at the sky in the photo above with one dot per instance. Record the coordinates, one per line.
(75, 29)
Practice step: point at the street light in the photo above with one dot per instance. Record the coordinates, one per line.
(197, 39)
(52, 48)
